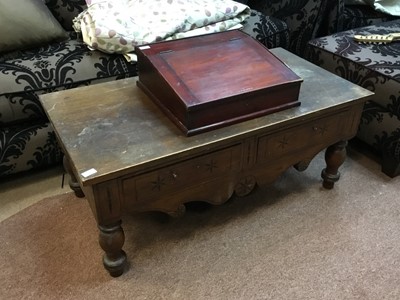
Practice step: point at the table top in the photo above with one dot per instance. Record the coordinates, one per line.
(113, 129)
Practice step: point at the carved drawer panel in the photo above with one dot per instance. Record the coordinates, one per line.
(322, 131)
(180, 176)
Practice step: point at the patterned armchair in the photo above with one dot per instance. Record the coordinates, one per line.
(27, 140)
(373, 66)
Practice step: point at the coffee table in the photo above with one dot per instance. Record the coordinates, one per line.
(125, 155)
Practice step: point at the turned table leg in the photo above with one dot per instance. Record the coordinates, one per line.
(111, 240)
(334, 158)
(73, 182)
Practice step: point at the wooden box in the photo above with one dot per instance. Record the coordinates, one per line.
(214, 80)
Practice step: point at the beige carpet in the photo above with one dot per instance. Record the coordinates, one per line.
(291, 240)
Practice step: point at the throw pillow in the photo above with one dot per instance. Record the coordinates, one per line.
(25, 24)
(117, 26)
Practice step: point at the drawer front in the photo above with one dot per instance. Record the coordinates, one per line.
(183, 175)
(322, 131)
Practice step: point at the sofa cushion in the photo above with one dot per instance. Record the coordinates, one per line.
(26, 74)
(24, 24)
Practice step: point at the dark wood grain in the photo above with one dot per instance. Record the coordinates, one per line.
(211, 81)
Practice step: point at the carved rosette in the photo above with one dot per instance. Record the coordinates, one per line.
(245, 185)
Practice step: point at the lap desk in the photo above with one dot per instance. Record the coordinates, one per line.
(126, 156)
(215, 80)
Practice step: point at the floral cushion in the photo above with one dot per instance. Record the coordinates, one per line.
(136, 22)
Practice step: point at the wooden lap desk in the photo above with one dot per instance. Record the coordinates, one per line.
(127, 156)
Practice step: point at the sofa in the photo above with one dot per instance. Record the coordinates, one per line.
(58, 60)
(370, 65)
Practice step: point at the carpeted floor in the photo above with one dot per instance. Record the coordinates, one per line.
(291, 240)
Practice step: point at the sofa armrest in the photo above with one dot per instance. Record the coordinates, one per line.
(66, 10)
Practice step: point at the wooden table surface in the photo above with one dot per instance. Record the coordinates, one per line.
(115, 129)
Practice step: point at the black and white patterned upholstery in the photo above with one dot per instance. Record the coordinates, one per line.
(305, 18)
(268, 30)
(377, 68)
(27, 140)
(342, 16)
(362, 15)
(66, 10)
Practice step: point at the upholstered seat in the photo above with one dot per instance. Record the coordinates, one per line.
(375, 67)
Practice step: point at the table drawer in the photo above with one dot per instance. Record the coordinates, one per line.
(183, 175)
(322, 131)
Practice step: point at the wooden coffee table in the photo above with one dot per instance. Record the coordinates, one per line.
(126, 156)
